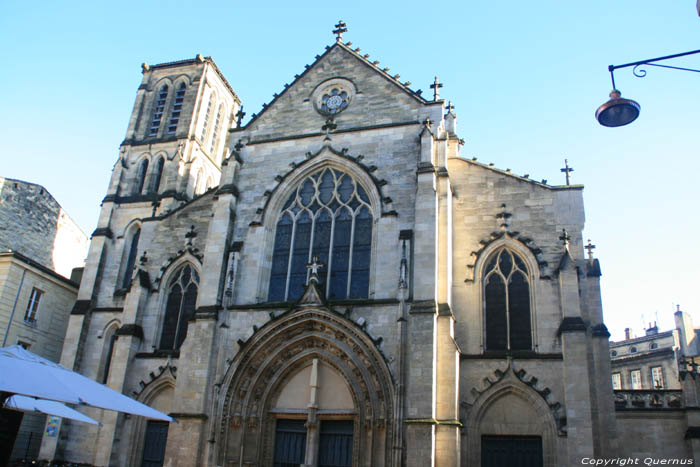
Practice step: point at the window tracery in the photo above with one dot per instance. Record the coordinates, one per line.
(179, 308)
(157, 175)
(329, 216)
(507, 303)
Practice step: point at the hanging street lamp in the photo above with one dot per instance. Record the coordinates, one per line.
(619, 111)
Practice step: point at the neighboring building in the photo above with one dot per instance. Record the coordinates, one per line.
(655, 360)
(332, 283)
(647, 362)
(41, 253)
(33, 224)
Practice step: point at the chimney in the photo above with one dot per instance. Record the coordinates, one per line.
(651, 330)
(628, 334)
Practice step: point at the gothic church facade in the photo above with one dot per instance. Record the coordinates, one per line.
(333, 284)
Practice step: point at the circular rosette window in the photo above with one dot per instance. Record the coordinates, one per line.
(334, 96)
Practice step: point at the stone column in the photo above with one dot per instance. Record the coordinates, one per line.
(576, 377)
(187, 443)
(129, 338)
(447, 435)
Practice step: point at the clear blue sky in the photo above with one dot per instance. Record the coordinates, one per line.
(525, 77)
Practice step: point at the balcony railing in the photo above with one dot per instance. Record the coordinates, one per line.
(648, 399)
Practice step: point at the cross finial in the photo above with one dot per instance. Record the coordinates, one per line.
(190, 235)
(239, 117)
(143, 259)
(504, 216)
(314, 266)
(590, 247)
(156, 205)
(340, 28)
(565, 237)
(239, 145)
(567, 170)
(436, 89)
(450, 107)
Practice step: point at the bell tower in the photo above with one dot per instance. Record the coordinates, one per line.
(176, 138)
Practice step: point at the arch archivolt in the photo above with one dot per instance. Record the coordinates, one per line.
(528, 408)
(245, 419)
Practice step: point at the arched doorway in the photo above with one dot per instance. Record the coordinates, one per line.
(309, 381)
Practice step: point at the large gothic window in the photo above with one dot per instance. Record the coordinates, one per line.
(507, 303)
(328, 216)
(179, 308)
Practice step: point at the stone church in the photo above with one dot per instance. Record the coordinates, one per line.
(332, 284)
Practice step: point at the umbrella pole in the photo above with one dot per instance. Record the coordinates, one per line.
(3, 397)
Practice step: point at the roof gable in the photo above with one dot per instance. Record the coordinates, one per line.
(375, 98)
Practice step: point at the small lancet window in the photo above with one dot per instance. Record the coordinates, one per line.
(207, 117)
(217, 127)
(507, 303)
(131, 259)
(328, 216)
(141, 176)
(158, 111)
(157, 175)
(177, 108)
(179, 308)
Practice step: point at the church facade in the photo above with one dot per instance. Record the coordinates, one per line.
(333, 284)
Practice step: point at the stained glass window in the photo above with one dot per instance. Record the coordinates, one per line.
(327, 216)
(507, 303)
(179, 308)
(158, 111)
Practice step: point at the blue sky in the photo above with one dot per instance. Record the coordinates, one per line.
(525, 78)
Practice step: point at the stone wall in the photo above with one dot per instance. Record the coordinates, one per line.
(34, 224)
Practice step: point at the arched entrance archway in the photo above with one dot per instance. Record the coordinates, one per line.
(282, 355)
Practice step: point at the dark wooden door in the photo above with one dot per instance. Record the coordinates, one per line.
(154, 444)
(10, 421)
(335, 448)
(511, 451)
(290, 443)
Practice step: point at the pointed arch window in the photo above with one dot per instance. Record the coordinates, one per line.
(217, 127)
(141, 176)
(507, 303)
(158, 111)
(207, 117)
(157, 175)
(131, 259)
(179, 308)
(329, 216)
(177, 108)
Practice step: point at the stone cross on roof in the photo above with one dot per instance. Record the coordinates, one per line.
(190, 236)
(314, 266)
(436, 89)
(340, 28)
(239, 117)
(450, 108)
(567, 170)
(590, 247)
(565, 237)
(503, 216)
